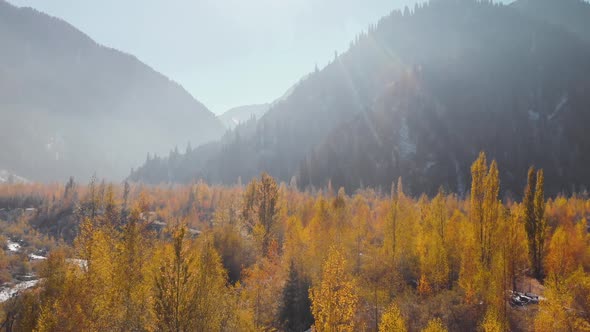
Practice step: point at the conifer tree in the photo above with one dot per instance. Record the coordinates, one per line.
(295, 314)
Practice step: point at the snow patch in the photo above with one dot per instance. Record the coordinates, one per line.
(36, 257)
(13, 246)
(8, 292)
(82, 263)
(429, 165)
(8, 177)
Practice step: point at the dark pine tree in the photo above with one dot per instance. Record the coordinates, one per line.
(295, 315)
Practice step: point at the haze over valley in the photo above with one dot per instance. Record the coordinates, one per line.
(295, 165)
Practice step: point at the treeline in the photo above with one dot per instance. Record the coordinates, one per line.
(266, 256)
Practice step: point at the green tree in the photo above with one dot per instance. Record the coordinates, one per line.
(295, 313)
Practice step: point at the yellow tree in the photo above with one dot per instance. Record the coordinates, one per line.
(484, 212)
(478, 195)
(334, 301)
(390, 241)
(132, 270)
(96, 246)
(320, 237)
(65, 300)
(358, 232)
(111, 215)
(296, 242)
(174, 300)
(490, 209)
(211, 292)
(485, 186)
(515, 248)
(435, 325)
(541, 222)
(492, 322)
(434, 263)
(259, 210)
(567, 250)
(406, 255)
(263, 284)
(470, 266)
(392, 320)
(509, 254)
(559, 312)
(268, 196)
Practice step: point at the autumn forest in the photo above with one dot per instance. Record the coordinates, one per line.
(267, 256)
(297, 166)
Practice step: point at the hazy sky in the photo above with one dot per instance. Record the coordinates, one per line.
(226, 53)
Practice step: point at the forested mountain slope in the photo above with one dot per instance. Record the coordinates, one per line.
(573, 15)
(418, 96)
(69, 106)
(482, 78)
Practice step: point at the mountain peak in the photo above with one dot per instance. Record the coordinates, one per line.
(105, 107)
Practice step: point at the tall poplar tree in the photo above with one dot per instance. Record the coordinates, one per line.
(535, 223)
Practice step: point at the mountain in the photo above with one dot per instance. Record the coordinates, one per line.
(8, 177)
(418, 96)
(480, 77)
(237, 115)
(241, 114)
(69, 106)
(570, 14)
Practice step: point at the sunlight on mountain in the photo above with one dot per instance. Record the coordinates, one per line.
(295, 165)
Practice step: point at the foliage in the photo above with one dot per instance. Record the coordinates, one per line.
(392, 320)
(190, 258)
(334, 301)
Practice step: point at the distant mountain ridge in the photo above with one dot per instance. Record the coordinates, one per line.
(69, 106)
(233, 117)
(241, 114)
(570, 14)
(418, 96)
